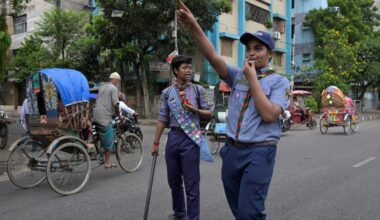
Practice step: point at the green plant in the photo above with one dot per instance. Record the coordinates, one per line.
(268, 24)
(312, 103)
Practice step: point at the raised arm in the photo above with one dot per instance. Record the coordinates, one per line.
(203, 43)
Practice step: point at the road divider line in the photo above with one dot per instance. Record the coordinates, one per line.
(363, 162)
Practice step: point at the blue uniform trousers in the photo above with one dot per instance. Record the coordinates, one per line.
(246, 175)
(182, 161)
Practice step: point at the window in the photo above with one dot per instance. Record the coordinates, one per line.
(292, 3)
(19, 24)
(226, 46)
(256, 14)
(293, 26)
(306, 58)
(277, 59)
(279, 25)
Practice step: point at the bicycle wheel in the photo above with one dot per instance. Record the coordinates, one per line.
(27, 164)
(355, 124)
(129, 152)
(139, 133)
(313, 124)
(323, 126)
(212, 144)
(3, 135)
(347, 126)
(68, 168)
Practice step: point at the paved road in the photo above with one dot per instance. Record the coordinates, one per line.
(330, 176)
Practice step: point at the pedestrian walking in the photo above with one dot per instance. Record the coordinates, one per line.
(257, 100)
(182, 105)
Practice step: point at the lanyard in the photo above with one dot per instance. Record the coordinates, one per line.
(246, 103)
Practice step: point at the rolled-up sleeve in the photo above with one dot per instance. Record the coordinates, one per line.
(164, 108)
(279, 93)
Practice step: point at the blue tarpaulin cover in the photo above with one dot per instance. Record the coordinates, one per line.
(71, 84)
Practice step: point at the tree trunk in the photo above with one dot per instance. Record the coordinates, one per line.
(138, 87)
(144, 87)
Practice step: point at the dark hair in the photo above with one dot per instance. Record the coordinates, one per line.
(178, 60)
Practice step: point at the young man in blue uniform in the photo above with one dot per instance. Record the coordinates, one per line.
(183, 148)
(257, 99)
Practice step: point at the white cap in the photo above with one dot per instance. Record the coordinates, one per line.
(115, 75)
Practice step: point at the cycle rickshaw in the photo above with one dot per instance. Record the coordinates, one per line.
(300, 114)
(57, 147)
(216, 128)
(336, 112)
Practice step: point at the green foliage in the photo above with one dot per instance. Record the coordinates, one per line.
(31, 57)
(5, 43)
(62, 39)
(311, 103)
(60, 28)
(346, 44)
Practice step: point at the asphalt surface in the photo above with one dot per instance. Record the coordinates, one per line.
(331, 176)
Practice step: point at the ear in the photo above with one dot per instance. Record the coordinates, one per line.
(270, 53)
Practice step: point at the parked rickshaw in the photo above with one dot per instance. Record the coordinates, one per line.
(300, 113)
(58, 145)
(216, 128)
(336, 112)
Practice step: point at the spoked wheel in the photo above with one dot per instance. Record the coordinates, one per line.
(68, 168)
(139, 133)
(355, 124)
(3, 135)
(27, 164)
(347, 126)
(323, 127)
(313, 124)
(129, 152)
(212, 144)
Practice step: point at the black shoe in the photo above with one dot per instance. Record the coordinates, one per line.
(174, 217)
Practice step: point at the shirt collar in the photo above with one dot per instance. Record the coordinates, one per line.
(263, 70)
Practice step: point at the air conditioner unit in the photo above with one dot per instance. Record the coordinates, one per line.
(277, 35)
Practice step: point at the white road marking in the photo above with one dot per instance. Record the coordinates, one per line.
(363, 162)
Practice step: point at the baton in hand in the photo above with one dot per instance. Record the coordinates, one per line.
(150, 186)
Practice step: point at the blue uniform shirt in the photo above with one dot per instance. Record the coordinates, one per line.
(165, 115)
(253, 128)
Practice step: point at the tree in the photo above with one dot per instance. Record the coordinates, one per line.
(346, 45)
(31, 57)
(59, 28)
(5, 43)
(144, 30)
(60, 40)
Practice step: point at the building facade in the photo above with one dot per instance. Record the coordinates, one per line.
(23, 25)
(249, 16)
(302, 36)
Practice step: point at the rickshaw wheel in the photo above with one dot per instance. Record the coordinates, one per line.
(129, 151)
(68, 168)
(323, 127)
(213, 144)
(3, 135)
(313, 124)
(355, 126)
(27, 164)
(347, 126)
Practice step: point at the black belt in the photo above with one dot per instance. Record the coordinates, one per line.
(252, 144)
(176, 129)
